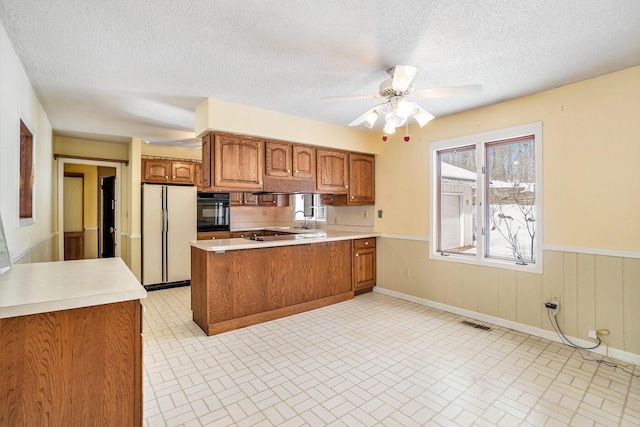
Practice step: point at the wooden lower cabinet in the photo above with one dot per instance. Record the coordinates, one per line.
(76, 367)
(364, 264)
(239, 288)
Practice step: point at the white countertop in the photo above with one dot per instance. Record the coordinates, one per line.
(63, 285)
(315, 236)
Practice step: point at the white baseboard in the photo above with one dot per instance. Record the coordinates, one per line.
(614, 353)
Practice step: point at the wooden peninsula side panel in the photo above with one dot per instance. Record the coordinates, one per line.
(77, 367)
(234, 289)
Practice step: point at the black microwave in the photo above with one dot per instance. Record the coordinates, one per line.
(213, 212)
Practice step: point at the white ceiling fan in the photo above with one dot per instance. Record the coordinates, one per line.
(399, 105)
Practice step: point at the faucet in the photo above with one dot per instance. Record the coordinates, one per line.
(303, 216)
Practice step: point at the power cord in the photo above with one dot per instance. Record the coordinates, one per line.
(599, 333)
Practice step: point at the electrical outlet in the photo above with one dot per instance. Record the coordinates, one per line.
(553, 306)
(365, 214)
(406, 272)
(379, 213)
(592, 333)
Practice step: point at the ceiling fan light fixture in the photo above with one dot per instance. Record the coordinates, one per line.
(422, 117)
(371, 119)
(389, 128)
(405, 108)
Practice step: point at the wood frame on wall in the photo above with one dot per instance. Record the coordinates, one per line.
(26, 173)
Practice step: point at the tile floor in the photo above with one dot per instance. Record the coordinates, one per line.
(372, 361)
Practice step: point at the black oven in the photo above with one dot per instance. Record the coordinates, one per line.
(213, 212)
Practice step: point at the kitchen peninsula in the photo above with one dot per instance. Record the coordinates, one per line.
(240, 282)
(70, 343)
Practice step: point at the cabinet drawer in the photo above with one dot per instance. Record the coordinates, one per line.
(364, 243)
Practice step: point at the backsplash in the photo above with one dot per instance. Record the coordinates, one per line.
(338, 217)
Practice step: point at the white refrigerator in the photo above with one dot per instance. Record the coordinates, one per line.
(169, 222)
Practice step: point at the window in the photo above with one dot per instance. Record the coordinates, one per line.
(26, 173)
(486, 198)
(307, 207)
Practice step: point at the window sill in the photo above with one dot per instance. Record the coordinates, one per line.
(489, 263)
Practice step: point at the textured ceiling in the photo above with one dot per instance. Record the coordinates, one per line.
(110, 69)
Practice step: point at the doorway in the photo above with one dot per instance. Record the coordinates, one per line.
(94, 241)
(107, 221)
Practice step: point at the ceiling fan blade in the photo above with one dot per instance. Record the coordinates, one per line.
(373, 96)
(442, 92)
(403, 76)
(361, 119)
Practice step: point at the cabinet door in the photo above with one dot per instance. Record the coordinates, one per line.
(332, 172)
(361, 179)
(250, 199)
(364, 267)
(198, 176)
(238, 162)
(268, 200)
(207, 156)
(236, 198)
(183, 172)
(156, 170)
(277, 159)
(304, 162)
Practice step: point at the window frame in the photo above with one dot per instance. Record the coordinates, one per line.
(318, 209)
(480, 141)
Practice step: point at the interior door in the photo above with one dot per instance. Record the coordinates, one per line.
(73, 216)
(108, 229)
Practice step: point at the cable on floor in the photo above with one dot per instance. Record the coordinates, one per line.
(599, 333)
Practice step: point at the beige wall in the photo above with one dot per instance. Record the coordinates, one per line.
(34, 241)
(591, 202)
(90, 149)
(213, 114)
(172, 152)
(590, 154)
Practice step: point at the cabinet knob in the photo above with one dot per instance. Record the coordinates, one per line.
(366, 243)
(289, 171)
(174, 177)
(213, 238)
(357, 254)
(346, 186)
(296, 170)
(352, 197)
(166, 177)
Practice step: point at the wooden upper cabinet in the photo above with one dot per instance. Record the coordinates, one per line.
(304, 162)
(206, 161)
(236, 198)
(169, 171)
(238, 162)
(361, 179)
(278, 159)
(156, 170)
(332, 172)
(183, 172)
